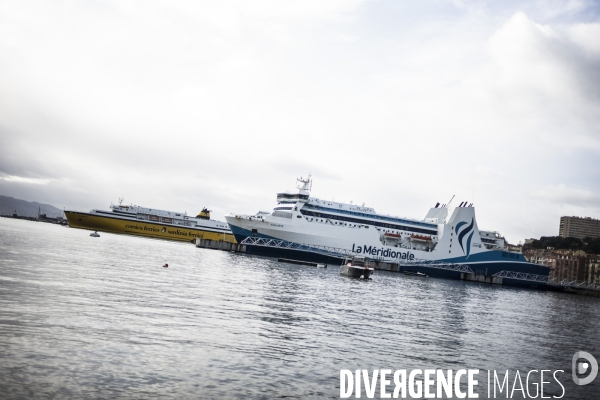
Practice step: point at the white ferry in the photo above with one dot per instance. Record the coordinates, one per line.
(300, 218)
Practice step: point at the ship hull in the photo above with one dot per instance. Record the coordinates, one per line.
(111, 224)
(362, 242)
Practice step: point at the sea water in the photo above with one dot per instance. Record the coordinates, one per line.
(84, 317)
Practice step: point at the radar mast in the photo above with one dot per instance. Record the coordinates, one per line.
(304, 185)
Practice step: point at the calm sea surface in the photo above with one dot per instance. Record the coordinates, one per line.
(84, 317)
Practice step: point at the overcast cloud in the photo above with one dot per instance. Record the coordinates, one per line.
(180, 105)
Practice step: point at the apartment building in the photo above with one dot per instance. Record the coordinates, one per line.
(579, 227)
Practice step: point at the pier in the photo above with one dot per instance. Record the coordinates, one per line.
(332, 255)
(220, 245)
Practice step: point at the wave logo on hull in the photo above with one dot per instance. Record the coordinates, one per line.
(461, 236)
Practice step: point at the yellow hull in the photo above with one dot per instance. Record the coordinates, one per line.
(142, 228)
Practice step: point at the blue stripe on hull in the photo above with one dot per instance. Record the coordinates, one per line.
(491, 268)
(240, 233)
(489, 255)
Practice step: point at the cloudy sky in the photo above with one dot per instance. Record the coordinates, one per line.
(397, 104)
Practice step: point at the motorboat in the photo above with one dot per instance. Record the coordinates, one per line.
(357, 267)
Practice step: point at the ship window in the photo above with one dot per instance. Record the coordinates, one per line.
(298, 216)
(376, 223)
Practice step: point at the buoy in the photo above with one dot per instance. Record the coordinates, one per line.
(166, 265)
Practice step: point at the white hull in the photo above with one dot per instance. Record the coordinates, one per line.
(301, 219)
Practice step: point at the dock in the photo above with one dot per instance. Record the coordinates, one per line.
(297, 262)
(220, 245)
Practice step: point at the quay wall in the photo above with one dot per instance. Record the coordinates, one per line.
(220, 245)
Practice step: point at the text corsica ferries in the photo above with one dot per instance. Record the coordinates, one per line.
(142, 221)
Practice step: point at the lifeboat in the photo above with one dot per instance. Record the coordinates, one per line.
(389, 235)
(421, 238)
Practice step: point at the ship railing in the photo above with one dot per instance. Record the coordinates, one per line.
(283, 244)
(574, 284)
(438, 265)
(523, 276)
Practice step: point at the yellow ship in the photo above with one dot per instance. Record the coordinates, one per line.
(141, 221)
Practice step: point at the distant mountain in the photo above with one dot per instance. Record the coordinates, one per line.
(8, 205)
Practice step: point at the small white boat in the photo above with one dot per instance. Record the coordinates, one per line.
(321, 265)
(95, 234)
(357, 267)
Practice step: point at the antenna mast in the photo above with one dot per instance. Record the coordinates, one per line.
(306, 183)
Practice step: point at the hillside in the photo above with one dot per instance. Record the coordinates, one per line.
(589, 245)
(8, 205)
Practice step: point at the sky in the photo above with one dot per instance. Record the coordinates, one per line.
(395, 104)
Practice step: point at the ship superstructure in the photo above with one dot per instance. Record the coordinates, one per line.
(142, 221)
(447, 234)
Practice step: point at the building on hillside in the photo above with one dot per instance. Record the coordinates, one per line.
(592, 268)
(568, 266)
(564, 264)
(516, 248)
(579, 227)
(542, 257)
